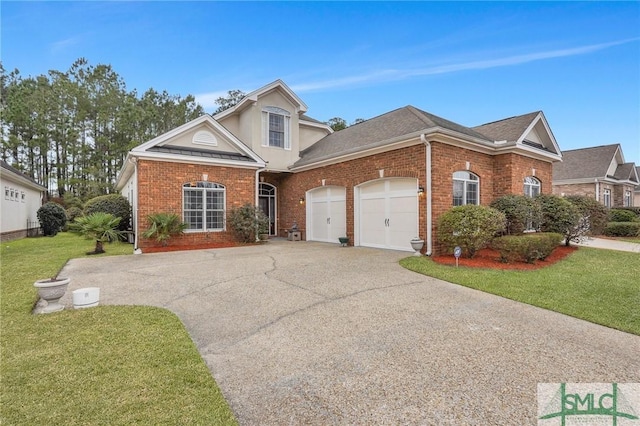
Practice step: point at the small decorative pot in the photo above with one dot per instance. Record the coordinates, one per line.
(343, 241)
(52, 290)
(417, 246)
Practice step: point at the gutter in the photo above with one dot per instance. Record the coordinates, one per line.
(427, 144)
(134, 161)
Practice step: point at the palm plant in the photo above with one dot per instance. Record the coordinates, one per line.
(163, 226)
(99, 226)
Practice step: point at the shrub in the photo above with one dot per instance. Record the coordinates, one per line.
(100, 227)
(623, 215)
(622, 229)
(594, 215)
(162, 226)
(522, 212)
(114, 204)
(526, 248)
(247, 221)
(52, 218)
(470, 227)
(559, 216)
(73, 213)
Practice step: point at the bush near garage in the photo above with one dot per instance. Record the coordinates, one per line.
(471, 227)
(526, 248)
(622, 229)
(114, 204)
(52, 218)
(519, 211)
(623, 215)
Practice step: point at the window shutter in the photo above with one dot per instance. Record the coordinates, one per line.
(287, 132)
(265, 128)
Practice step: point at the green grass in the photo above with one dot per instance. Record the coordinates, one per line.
(105, 365)
(601, 286)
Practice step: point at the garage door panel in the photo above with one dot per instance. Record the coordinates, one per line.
(326, 214)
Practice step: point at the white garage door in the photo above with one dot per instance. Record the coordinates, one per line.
(326, 214)
(387, 213)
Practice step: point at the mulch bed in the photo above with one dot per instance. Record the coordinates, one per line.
(160, 249)
(490, 259)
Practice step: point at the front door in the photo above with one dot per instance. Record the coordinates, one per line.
(267, 203)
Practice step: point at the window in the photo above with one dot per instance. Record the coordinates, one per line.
(627, 198)
(531, 186)
(6, 192)
(275, 127)
(466, 188)
(22, 196)
(203, 206)
(606, 197)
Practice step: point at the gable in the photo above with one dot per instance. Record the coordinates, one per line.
(203, 137)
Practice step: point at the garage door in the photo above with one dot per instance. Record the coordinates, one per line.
(387, 213)
(326, 214)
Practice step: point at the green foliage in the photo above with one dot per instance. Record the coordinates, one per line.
(248, 221)
(162, 226)
(337, 124)
(594, 215)
(99, 226)
(559, 216)
(52, 218)
(471, 227)
(229, 101)
(623, 215)
(622, 229)
(73, 213)
(71, 200)
(526, 248)
(114, 204)
(520, 211)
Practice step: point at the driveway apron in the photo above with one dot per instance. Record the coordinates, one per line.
(312, 333)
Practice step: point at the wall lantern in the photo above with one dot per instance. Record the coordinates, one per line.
(301, 200)
(420, 191)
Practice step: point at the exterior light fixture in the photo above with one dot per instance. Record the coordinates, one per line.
(301, 200)
(420, 191)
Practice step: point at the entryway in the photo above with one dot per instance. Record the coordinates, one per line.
(267, 203)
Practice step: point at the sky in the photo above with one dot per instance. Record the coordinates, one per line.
(469, 62)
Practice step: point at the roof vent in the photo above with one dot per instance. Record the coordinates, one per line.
(500, 142)
(204, 138)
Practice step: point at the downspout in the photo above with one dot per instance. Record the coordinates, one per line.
(427, 145)
(134, 161)
(257, 193)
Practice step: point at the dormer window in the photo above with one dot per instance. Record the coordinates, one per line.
(276, 123)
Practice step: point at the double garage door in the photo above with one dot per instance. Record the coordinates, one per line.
(386, 213)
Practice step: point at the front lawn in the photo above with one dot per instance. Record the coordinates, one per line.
(104, 365)
(600, 286)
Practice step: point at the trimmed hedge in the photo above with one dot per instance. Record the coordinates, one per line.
(623, 215)
(519, 211)
(471, 227)
(526, 248)
(622, 229)
(52, 218)
(114, 204)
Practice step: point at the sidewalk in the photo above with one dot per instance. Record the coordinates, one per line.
(603, 243)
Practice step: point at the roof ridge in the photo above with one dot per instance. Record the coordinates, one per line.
(592, 147)
(508, 118)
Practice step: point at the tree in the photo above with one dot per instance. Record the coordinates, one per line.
(337, 123)
(98, 226)
(232, 99)
(595, 214)
(560, 216)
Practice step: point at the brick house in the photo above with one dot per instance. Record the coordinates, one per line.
(598, 172)
(380, 182)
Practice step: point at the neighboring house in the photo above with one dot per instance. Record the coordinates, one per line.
(636, 192)
(20, 203)
(598, 172)
(380, 182)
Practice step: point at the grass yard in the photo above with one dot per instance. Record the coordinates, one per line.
(104, 365)
(600, 286)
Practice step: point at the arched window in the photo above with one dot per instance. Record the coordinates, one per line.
(531, 186)
(203, 206)
(466, 188)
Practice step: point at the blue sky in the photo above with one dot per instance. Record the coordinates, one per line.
(471, 63)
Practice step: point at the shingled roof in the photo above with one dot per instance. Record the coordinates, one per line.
(510, 129)
(379, 131)
(585, 162)
(23, 177)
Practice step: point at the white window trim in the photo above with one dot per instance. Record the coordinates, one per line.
(606, 197)
(204, 189)
(535, 184)
(265, 126)
(464, 190)
(627, 198)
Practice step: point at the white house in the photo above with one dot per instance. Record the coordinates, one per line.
(20, 203)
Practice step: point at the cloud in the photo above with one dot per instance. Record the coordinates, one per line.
(402, 74)
(208, 100)
(59, 46)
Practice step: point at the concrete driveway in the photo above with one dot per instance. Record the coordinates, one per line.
(312, 333)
